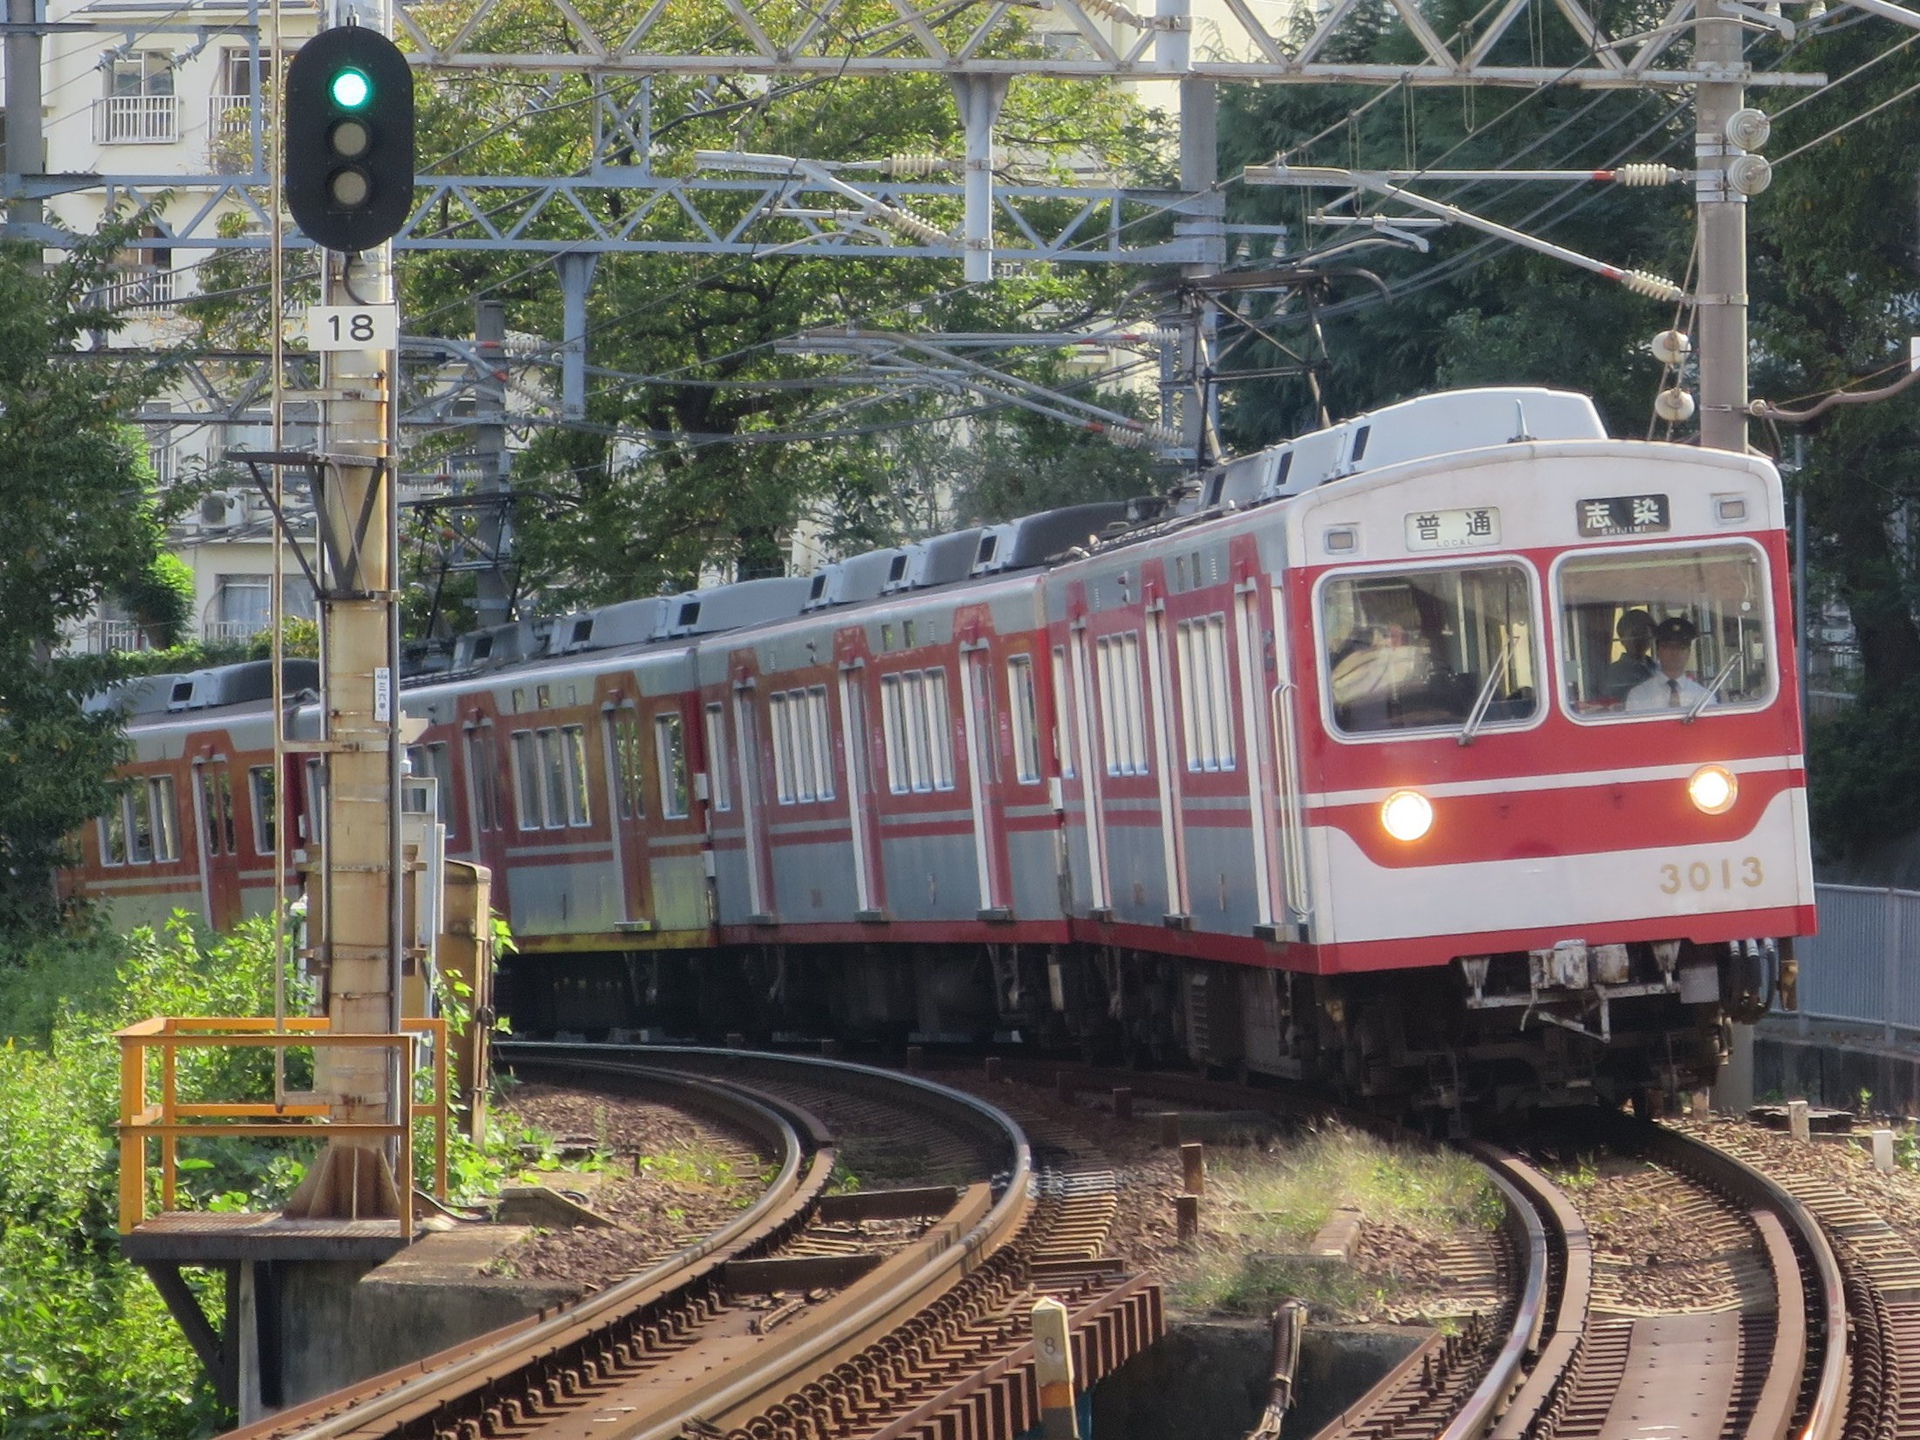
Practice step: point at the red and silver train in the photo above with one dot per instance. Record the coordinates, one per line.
(1452, 752)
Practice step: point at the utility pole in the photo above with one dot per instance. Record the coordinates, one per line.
(493, 520)
(1722, 291)
(24, 142)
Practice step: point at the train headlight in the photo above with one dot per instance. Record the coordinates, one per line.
(1713, 789)
(1406, 815)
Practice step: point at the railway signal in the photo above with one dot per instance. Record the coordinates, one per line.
(349, 139)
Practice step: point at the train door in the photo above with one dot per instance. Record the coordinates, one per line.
(1260, 767)
(625, 761)
(746, 732)
(1099, 896)
(1285, 699)
(1173, 840)
(219, 842)
(860, 809)
(989, 840)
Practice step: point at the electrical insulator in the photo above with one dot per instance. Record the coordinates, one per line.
(1641, 174)
(1749, 174)
(914, 167)
(1749, 128)
(1674, 405)
(1670, 347)
(1108, 10)
(1654, 287)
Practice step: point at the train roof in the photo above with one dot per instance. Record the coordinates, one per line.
(1426, 427)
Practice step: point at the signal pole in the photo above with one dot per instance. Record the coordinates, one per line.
(349, 169)
(1722, 291)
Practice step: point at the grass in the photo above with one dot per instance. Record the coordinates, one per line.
(1264, 1206)
(694, 1165)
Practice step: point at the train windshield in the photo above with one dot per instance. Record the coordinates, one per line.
(1426, 649)
(1665, 632)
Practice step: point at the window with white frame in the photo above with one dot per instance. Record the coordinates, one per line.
(917, 728)
(264, 797)
(1062, 715)
(142, 826)
(719, 766)
(802, 763)
(216, 799)
(1205, 707)
(1025, 713)
(550, 777)
(140, 106)
(1123, 710)
(670, 749)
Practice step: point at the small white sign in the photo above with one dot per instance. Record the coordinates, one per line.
(353, 327)
(382, 694)
(1453, 529)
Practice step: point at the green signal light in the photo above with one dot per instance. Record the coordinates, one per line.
(350, 89)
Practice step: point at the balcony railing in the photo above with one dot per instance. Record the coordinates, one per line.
(136, 120)
(138, 289)
(230, 115)
(109, 637)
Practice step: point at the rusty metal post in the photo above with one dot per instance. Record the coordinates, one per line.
(1053, 1369)
(465, 952)
(1193, 1167)
(1186, 1216)
(1169, 1128)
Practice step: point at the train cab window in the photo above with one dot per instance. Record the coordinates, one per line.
(1023, 708)
(1666, 632)
(263, 793)
(216, 796)
(670, 745)
(719, 769)
(1428, 649)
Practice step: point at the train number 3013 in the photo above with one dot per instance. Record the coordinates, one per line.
(1703, 875)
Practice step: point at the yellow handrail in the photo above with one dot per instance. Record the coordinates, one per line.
(141, 1119)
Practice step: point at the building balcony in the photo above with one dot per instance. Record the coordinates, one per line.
(140, 288)
(137, 120)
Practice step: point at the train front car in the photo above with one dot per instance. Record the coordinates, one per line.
(1551, 772)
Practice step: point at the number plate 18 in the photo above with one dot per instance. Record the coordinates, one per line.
(353, 327)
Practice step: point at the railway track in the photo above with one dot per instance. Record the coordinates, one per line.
(889, 1312)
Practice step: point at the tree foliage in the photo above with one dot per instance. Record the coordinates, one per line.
(81, 524)
(705, 444)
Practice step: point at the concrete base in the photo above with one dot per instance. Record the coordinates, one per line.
(1207, 1380)
(1831, 1066)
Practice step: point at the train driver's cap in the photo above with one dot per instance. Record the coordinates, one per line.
(1675, 630)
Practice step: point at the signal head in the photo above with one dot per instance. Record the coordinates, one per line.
(349, 138)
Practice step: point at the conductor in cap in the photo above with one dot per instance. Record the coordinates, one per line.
(1670, 687)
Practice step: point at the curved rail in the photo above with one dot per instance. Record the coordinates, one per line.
(806, 1166)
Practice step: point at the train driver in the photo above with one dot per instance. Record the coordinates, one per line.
(1670, 687)
(1636, 662)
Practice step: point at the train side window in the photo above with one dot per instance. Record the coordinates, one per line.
(629, 776)
(1024, 712)
(314, 822)
(785, 790)
(139, 824)
(113, 833)
(918, 730)
(528, 803)
(1124, 711)
(264, 797)
(166, 818)
(437, 762)
(1062, 715)
(573, 748)
(719, 772)
(670, 744)
(482, 784)
(216, 793)
(1426, 649)
(802, 766)
(1204, 708)
(1660, 631)
(893, 726)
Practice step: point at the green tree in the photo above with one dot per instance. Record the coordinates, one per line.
(77, 495)
(705, 443)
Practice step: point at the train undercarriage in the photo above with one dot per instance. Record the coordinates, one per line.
(1574, 1025)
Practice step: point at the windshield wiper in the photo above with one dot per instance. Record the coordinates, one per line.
(1693, 712)
(1485, 698)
